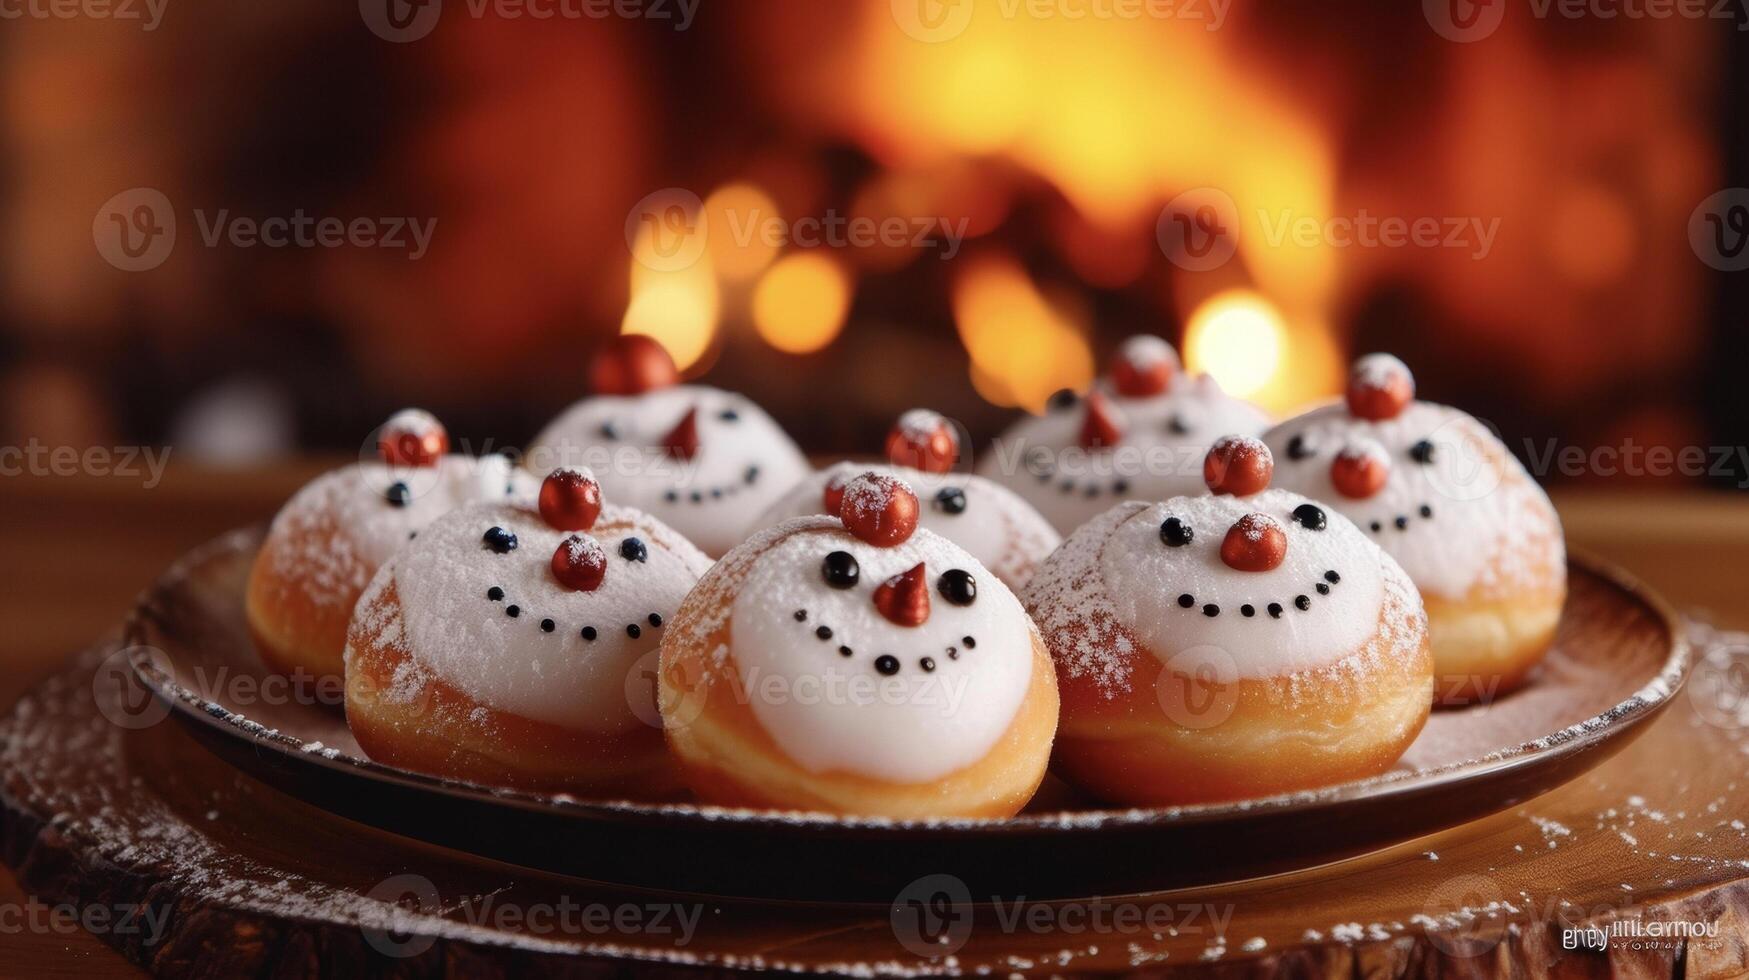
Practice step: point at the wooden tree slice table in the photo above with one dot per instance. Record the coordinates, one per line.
(191, 868)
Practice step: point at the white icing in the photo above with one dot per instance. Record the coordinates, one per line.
(1002, 531)
(829, 712)
(1150, 461)
(1485, 508)
(451, 627)
(919, 424)
(1146, 350)
(635, 472)
(416, 421)
(1380, 370)
(1145, 577)
(368, 529)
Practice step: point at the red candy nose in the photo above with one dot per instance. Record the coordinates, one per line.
(1255, 543)
(1360, 470)
(904, 598)
(1100, 428)
(681, 442)
(579, 563)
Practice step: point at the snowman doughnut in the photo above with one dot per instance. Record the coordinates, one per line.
(1237, 645)
(861, 665)
(333, 535)
(987, 519)
(705, 461)
(511, 645)
(1140, 434)
(1443, 496)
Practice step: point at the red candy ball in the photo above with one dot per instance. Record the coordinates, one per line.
(832, 495)
(1238, 465)
(631, 365)
(924, 441)
(1100, 428)
(570, 500)
(1379, 387)
(412, 438)
(579, 563)
(1143, 367)
(1255, 543)
(880, 510)
(904, 598)
(1360, 469)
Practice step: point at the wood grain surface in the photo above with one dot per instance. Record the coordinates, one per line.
(1649, 834)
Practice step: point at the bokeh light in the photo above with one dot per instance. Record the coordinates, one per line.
(800, 302)
(1238, 337)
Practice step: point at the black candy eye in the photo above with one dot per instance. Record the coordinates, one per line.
(1298, 448)
(1177, 426)
(1062, 399)
(951, 500)
(632, 549)
(609, 431)
(1175, 532)
(729, 415)
(500, 540)
(958, 587)
(1311, 517)
(398, 495)
(840, 570)
(1422, 452)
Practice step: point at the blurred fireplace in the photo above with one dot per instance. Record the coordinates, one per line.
(1558, 162)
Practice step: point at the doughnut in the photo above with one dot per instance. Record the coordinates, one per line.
(1002, 531)
(1235, 645)
(1140, 434)
(1447, 500)
(707, 462)
(515, 645)
(331, 537)
(858, 664)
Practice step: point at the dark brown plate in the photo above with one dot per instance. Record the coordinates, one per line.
(1617, 662)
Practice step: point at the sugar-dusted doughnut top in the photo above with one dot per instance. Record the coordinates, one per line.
(1318, 606)
(1455, 509)
(493, 621)
(1159, 452)
(1002, 531)
(840, 687)
(743, 460)
(334, 533)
